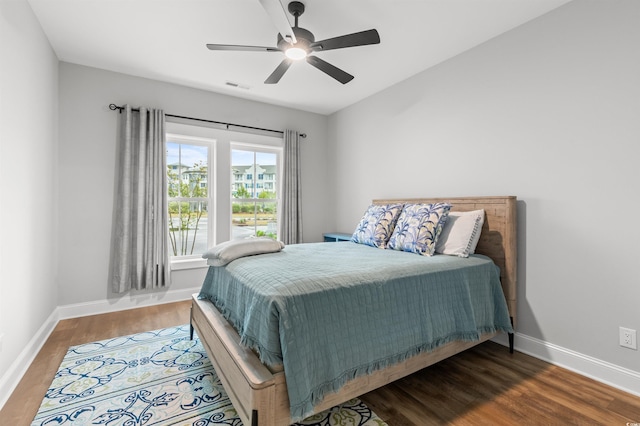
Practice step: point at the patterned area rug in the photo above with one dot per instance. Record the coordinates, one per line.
(154, 378)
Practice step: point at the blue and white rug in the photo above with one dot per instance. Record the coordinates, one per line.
(154, 378)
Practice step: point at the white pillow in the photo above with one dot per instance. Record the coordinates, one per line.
(224, 253)
(460, 234)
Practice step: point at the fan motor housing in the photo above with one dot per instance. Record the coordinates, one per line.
(303, 36)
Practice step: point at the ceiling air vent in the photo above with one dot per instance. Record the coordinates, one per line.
(237, 85)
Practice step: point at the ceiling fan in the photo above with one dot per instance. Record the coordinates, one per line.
(298, 43)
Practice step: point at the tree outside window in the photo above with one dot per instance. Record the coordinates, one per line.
(187, 179)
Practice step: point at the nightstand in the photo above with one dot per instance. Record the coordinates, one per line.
(336, 237)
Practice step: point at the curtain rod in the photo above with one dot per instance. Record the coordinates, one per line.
(114, 107)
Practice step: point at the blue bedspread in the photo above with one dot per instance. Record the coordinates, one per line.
(331, 312)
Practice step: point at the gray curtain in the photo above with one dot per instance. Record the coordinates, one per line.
(291, 218)
(139, 251)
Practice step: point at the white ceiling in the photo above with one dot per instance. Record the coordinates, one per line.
(165, 40)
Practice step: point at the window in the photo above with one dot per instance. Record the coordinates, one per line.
(254, 205)
(188, 177)
(203, 163)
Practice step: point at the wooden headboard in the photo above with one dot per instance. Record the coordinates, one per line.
(498, 238)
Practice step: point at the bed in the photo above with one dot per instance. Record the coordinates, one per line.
(259, 391)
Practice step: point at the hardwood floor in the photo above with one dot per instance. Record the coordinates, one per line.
(488, 386)
(25, 400)
(483, 386)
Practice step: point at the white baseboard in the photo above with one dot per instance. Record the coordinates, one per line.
(601, 371)
(124, 303)
(10, 379)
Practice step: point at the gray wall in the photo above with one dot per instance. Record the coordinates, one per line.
(548, 112)
(28, 152)
(87, 164)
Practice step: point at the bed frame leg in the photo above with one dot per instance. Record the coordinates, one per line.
(254, 417)
(191, 323)
(511, 335)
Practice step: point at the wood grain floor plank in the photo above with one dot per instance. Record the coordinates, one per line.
(505, 389)
(24, 402)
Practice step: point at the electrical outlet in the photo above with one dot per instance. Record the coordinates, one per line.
(628, 338)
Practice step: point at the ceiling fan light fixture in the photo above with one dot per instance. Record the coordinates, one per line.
(298, 43)
(295, 53)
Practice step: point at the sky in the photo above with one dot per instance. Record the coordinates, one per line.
(245, 158)
(186, 154)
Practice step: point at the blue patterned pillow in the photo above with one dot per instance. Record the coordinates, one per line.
(418, 228)
(376, 225)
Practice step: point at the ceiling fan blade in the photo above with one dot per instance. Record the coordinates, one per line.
(277, 74)
(350, 40)
(235, 47)
(326, 67)
(278, 16)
